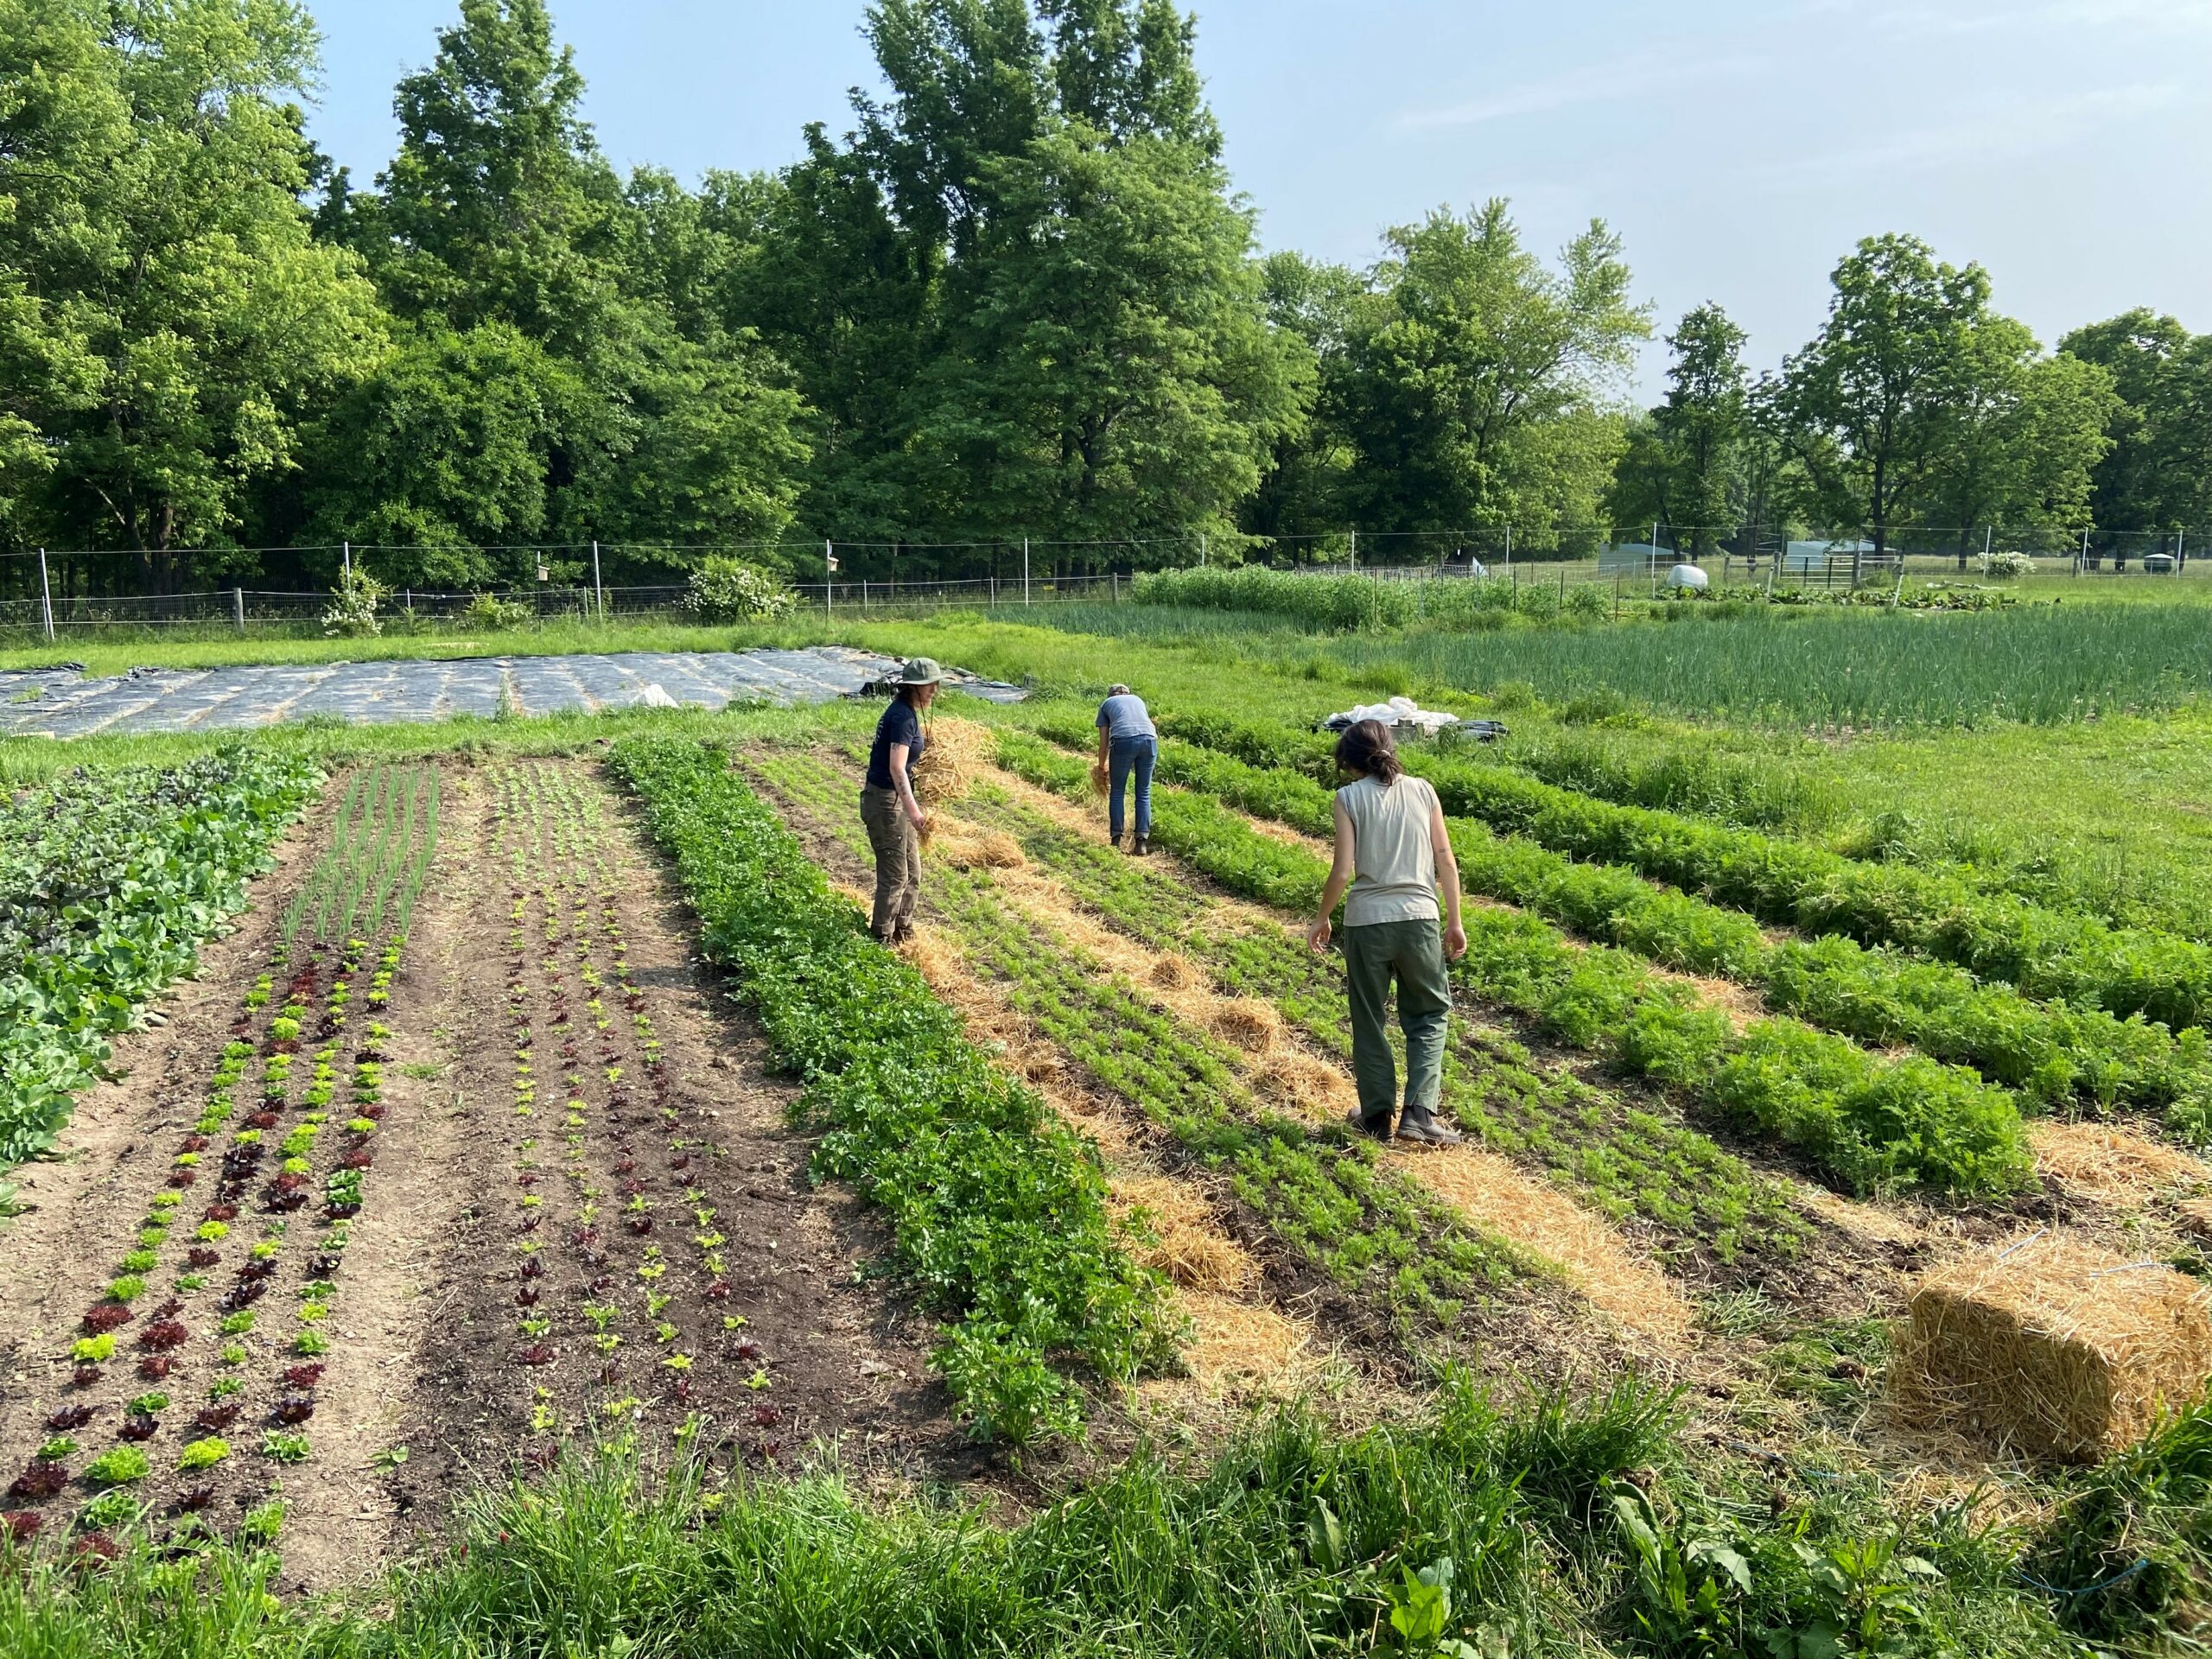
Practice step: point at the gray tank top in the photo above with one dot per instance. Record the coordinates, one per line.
(1393, 862)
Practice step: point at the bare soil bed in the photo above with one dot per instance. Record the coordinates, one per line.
(579, 1213)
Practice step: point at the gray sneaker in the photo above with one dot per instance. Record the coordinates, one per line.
(1431, 1134)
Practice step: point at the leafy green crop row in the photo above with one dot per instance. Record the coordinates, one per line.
(2051, 1052)
(1870, 1121)
(2045, 953)
(998, 1214)
(1997, 936)
(108, 881)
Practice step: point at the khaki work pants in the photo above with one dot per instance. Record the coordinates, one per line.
(898, 847)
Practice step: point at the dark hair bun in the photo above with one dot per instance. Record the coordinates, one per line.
(1368, 750)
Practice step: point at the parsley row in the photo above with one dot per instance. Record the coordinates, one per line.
(997, 1213)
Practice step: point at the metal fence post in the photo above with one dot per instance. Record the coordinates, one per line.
(345, 550)
(1025, 570)
(45, 596)
(238, 608)
(598, 593)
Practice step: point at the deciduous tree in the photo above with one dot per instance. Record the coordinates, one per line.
(1867, 404)
(169, 311)
(1480, 383)
(2156, 474)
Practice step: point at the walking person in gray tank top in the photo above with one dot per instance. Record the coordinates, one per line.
(1391, 850)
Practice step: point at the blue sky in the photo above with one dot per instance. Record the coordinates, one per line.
(1739, 148)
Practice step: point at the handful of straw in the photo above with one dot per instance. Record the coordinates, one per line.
(1099, 778)
(956, 751)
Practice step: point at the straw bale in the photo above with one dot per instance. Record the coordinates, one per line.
(956, 752)
(2109, 1164)
(2052, 1347)
(1192, 1250)
(1247, 1023)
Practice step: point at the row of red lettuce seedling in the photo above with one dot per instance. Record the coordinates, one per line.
(2054, 1054)
(2044, 953)
(997, 1212)
(184, 1342)
(109, 880)
(1868, 1121)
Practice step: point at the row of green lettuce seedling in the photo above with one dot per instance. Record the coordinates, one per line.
(2053, 1054)
(1869, 1122)
(164, 1339)
(2044, 953)
(997, 1213)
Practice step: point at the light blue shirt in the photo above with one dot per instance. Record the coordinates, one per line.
(1125, 716)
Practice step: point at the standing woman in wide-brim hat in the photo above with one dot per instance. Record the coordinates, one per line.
(896, 821)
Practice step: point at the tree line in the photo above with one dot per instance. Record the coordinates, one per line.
(1018, 295)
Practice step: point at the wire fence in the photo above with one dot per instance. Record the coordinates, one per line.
(48, 594)
(245, 611)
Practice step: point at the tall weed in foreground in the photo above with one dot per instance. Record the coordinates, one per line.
(1572, 1524)
(2131, 1552)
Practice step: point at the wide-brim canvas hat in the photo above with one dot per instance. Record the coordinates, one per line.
(921, 670)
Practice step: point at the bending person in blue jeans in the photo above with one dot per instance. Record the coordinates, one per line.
(1127, 744)
(1391, 849)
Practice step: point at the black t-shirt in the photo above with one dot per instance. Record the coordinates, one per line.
(899, 724)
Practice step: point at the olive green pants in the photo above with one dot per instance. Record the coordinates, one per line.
(897, 847)
(1412, 953)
